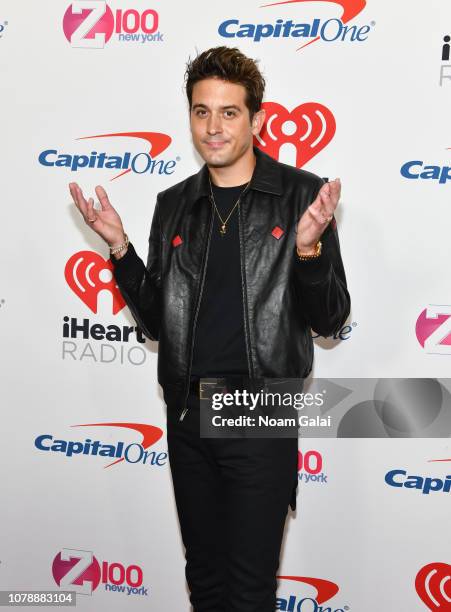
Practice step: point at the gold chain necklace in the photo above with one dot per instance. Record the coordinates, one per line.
(223, 229)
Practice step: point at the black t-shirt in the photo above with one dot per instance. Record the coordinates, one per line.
(219, 344)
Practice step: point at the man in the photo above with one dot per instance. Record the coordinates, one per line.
(243, 262)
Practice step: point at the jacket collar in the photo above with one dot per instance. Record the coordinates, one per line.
(266, 177)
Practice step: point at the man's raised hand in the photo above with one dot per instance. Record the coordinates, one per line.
(105, 222)
(317, 216)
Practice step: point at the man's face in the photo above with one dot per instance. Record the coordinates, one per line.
(220, 123)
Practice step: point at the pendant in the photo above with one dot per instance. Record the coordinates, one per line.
(222, 229)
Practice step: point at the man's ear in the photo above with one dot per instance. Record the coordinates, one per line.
(257, 121)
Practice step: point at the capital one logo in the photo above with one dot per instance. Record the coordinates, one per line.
(330, 30)
(325, 590)
(80, 571)
(87, 273)
(433, 585)
(433, 329)
(133, 452)
(144, 162)
(308, 128)
(89, 24)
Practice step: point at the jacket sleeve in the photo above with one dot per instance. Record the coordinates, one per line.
(321, 286)
(139, 284)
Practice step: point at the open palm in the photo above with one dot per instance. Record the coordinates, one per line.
(105, 221)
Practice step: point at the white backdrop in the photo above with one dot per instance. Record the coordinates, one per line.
(377, 547)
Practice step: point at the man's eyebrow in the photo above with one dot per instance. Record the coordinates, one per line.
(226, 107)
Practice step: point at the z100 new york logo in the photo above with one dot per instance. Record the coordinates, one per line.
(433, 329)
(90, 24)
(310, 467)
(80, 571)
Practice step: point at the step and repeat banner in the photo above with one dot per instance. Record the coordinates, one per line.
(92, 92)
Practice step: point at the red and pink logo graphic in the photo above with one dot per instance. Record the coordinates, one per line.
(310, 467)
(433, 329)
(89, 24)
(310, 461)
(87, 273)
(433, 585)
(80, 571)
(309, 128)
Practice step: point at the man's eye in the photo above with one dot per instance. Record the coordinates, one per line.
(201, 113)
(230, 113)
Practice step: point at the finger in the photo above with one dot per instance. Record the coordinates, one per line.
(73, 193)
(325, 188)
(328, 205)
(82, 204)
(335, 189)
(103, 198)
(91, 216)
(319, 215)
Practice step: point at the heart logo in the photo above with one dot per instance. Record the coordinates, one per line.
(309, 127)
(87, 273)
(433, 585)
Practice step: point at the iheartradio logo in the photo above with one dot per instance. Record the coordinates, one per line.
(87, 273)
(433, 585)
(309, 128)
(433, 329)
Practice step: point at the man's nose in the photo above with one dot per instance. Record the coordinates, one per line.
(214, 124)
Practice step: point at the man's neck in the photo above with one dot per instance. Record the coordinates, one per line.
(238, 174)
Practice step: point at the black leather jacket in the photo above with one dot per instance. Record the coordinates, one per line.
(284, 298)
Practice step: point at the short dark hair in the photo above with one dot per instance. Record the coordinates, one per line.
(229, 64)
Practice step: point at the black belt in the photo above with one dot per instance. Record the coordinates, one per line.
(205, 388)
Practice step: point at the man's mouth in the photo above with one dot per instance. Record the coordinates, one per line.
(215, 144)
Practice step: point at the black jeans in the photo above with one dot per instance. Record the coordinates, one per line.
(232, 498)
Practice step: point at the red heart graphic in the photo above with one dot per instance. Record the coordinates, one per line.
(433, 585)
(82, 273)
(309, 127)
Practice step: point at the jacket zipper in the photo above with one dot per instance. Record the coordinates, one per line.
(199, 299)
(244, 292)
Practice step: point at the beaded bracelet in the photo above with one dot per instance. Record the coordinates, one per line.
(314, 255)
(121, 247)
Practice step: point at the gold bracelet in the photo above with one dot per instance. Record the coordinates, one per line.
(121, 247)
(317, 253)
